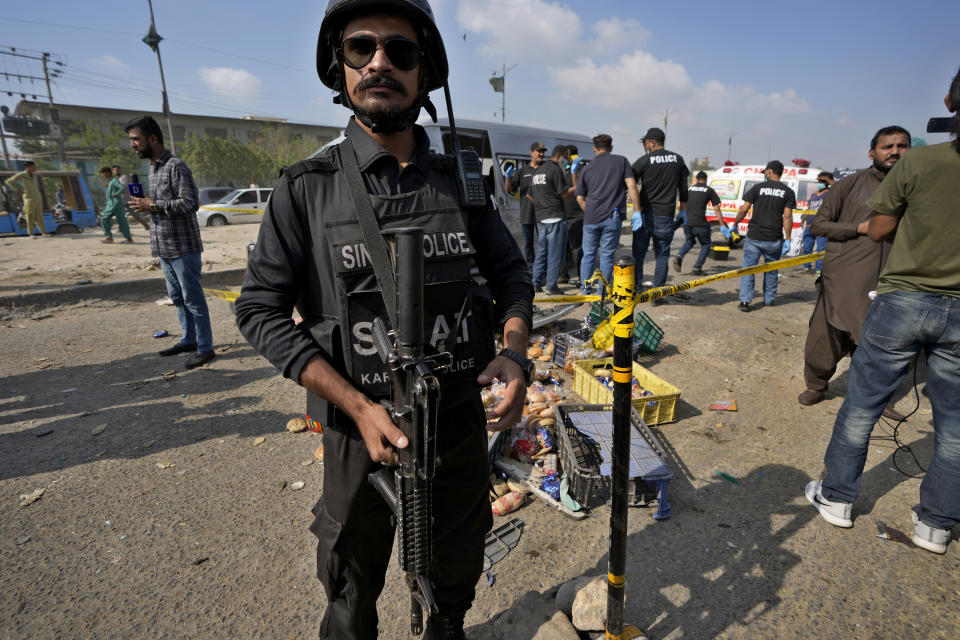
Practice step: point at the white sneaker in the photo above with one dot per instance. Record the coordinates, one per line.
(929, 538)
(836, 513)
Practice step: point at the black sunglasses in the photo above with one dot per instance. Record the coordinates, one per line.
(357, 51)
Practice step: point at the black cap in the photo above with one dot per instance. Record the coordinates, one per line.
(656, 134)
(537, 146)
(776, 166)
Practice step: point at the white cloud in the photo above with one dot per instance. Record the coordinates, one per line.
(238, 84)
(640, 82)
(110, 64)
(613, 35)
(529, 30)
(608, 66)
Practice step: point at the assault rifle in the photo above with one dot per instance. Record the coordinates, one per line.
(407, 487)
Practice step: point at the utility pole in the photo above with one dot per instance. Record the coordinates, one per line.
(730, 144)
(44, 58)
(152, 40)
(3, 138)
(55, 120)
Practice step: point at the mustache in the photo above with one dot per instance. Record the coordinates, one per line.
(381, 81)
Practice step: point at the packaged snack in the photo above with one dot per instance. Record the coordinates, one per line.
(511, 502)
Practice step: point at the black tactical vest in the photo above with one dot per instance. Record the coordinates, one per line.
(351, 296)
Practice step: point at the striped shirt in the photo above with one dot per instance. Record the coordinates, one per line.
(174, 231)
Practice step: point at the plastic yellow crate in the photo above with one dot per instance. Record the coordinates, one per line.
(656, 409)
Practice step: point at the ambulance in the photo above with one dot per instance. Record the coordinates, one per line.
(731, 182)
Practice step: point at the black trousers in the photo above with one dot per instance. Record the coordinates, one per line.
(574, 253)
(352, 523)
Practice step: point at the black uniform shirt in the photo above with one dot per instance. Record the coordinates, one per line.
(548, 185)
(698, 195)
(768, 199)
(521, 180)
(279, 270)
(660, 175)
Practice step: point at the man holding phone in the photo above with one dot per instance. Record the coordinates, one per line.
(174, 237)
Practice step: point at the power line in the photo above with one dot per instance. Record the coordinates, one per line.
(180, 42)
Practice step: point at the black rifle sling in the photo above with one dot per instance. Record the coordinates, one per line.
(372, 238)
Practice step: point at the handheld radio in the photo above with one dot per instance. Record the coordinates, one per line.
(135, 189)
(469, 166)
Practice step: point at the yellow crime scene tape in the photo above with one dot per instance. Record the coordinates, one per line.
(229, 296)
(603, 336)
(216, 209)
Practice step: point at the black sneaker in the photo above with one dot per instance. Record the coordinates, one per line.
(556, 291)
(180, 347)
(698, 272)
(199, 358)
(677, 264)
(744, 306)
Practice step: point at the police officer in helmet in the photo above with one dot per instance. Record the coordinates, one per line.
(383, 58)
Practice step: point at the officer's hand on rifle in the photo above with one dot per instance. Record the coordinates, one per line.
(379, 433)
(507, 413)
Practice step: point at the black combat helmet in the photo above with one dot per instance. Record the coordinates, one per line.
(435, 68)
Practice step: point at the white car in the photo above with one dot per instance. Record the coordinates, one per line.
(237, 207)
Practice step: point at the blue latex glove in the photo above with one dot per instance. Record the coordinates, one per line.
(636, 221)
(786, 248)
(575, 165)
(510, 171)
(725, 232)
(682, 217)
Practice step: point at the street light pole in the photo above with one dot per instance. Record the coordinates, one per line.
(152, 40)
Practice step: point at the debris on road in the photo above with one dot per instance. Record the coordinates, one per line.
(296, 425)
(259, 440)
(97, 430)
(30, 498)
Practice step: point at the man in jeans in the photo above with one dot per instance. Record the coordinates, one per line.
(547, 191)
(518, 181)
(772, 221)
(601, 196)
(175, 238)
(917, 309)
(696, 228)
(662, 177)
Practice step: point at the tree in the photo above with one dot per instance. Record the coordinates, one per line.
(220, 161)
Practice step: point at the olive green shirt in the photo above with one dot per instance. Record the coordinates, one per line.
(923, 191)
(29, 184)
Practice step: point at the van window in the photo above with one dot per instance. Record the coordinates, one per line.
(264, 195)
(806, 189)
(480, 142)
(749, 184)
(516, 161)
(725, 188)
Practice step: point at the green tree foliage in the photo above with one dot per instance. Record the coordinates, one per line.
(224, 161)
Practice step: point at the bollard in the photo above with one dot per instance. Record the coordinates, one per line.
(623, 300)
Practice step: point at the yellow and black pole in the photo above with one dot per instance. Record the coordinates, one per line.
(623, 301)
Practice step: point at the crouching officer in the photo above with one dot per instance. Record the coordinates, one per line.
(383, 58)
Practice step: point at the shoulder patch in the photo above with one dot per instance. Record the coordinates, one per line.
(323, 164)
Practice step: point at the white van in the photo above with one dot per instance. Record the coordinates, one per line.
(500, 145)
(732, 182)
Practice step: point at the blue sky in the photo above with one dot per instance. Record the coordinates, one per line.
(812, 82)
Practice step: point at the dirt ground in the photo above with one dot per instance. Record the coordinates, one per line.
(168, 510)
